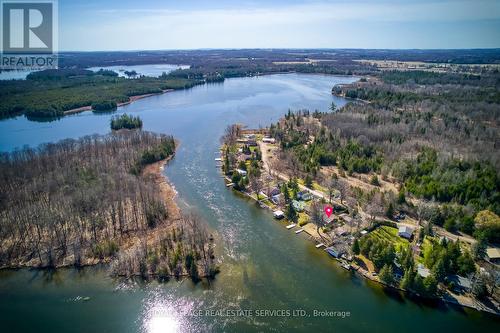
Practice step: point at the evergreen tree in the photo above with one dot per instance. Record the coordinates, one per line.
(430, 286)
(407, 280)
(355, 247)
(386, 274)
(291, 214)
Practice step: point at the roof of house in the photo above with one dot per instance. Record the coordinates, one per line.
(340, 230)
(493, 252)
(405, 229)
(461, 281)
(423, 271)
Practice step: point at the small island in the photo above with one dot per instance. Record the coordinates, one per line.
(125, 121)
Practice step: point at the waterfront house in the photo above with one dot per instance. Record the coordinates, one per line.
(461, 284)
(276, 199)
(405, 232)
(274, 191)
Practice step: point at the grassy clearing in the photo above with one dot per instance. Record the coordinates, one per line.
(390, 235)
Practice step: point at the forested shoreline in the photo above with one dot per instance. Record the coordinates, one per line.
(94, 200)
(433, 134)
(49, 93)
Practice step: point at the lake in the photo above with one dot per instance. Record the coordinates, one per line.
(278, 278)
(146, 70)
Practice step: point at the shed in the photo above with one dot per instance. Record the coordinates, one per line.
(405, 232)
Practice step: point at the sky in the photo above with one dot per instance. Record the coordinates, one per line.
(94, 25)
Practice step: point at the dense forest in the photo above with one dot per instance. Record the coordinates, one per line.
(434, 134)
(49, 93)
(81, 202)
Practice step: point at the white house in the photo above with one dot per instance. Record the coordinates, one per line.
(269, 140)
(405, 232)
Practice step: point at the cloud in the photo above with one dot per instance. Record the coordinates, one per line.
(398, 11)
(315, 24)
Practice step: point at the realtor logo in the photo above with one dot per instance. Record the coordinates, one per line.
(28, 28)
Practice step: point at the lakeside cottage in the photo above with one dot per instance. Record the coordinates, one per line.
(461, 284)
(276, 199)
(274, 191)
(405, 232)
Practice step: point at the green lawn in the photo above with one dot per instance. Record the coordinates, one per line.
(391, 235)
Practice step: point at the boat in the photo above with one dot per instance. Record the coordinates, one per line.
(278, 214)
(290, 226)
(333, 252)
(299, 231)
(346, 266)
(320, 245)
(218, 159)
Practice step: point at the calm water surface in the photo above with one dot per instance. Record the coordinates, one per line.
(146, 70)
(264, 266)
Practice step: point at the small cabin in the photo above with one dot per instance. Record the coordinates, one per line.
(405, 232)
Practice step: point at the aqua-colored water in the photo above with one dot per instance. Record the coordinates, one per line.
(264, 266)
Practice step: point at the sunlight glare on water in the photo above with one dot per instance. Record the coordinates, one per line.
(166, 313)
